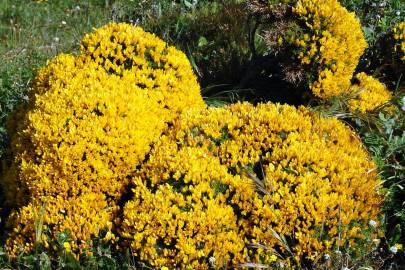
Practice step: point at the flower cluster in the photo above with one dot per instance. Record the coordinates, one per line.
(331, 44)
(223, 180)
(80, 139)
(86, 129)
(126, 50)
(369, 94)
(399, 36)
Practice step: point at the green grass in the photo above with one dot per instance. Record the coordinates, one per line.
(213, 34)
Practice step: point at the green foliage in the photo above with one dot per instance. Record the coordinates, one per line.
(384, 137)
(101, 256)
(377, 16)
(386, 142)
(214, 34)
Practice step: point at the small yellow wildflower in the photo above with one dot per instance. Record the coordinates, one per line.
(398, 246)
(399, 36)
(67, 246)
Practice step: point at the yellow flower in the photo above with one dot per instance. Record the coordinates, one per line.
(89, 253)
(67, 246)
(109, 236)
(399, 36)
(368, 94)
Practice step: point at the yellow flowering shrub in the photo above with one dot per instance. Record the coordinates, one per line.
(81, 217)
(82, 138)
(399, 36)
(120, 49)
(318, 43)
(85, 131)
(224, 179)
(59, 71)
(332, 45)
(369, 94)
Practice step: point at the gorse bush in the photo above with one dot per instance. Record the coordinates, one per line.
(123, 49)
(81, 137)
(378, 18)
(369, 94)
(333, 45)
(90, 122)
(116, 148)
(317, 46)
(221, 184)
(321, 36)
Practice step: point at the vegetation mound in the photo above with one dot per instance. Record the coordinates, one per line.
(87, 127)
(225, 182)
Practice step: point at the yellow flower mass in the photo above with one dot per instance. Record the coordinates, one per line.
(330, 46)
(126, 50)
(399, 36)
(117, 144)
(87, 128)
(224, 179)
(369, 94)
